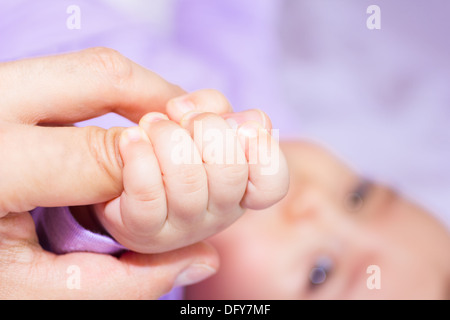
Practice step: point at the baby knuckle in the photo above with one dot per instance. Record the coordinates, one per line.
(191, 178)
(234, 174)
(151, 195)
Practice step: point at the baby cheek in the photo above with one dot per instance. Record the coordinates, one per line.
(257, 270)
(249, 281)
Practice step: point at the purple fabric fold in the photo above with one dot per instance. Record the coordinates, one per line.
(59, 232)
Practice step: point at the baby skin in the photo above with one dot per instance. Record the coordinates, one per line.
(186, 180)
(334, 236)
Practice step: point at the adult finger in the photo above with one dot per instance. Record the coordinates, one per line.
(29, 272)
(72, 87)
(45, 166)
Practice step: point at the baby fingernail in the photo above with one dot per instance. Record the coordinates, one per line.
(238, 118)
(182, 105)
(134, 135)
(193, 274)
(188, 116)
(250, 129)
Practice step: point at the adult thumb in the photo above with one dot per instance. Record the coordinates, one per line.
(58, 166)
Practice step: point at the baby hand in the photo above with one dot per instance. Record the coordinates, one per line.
(187, 180)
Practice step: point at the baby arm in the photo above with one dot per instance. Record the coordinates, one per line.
(187, 180)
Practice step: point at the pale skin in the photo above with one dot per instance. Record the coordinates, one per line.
(273, 253)
(56, 164)
(264, 254)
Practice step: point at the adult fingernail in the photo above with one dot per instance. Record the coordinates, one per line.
(193, 274)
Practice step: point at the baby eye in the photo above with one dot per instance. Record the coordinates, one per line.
(355, 199)
(321, 270)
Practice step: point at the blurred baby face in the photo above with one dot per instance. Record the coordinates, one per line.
(335, 236)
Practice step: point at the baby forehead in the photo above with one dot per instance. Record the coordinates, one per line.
(301, 152)
(311, 163)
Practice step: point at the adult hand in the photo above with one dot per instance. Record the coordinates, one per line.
(45, 162)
